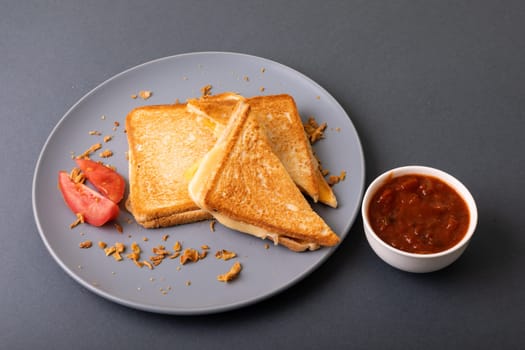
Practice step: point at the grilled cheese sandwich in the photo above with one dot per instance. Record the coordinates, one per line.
(278, 116)
(166, 143)
(244, 185)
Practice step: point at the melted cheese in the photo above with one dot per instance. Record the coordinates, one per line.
(247, 228)
(202, 173)
(326, 195)
(188, 173)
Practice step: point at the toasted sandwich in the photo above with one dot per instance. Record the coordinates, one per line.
(166, 143)
(244, 185)
(278, 116)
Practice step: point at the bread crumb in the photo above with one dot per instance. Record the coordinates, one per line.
(135, 253)
(108, 138)
(78, 221)
(246, 78)
(134, 96)
(110, 250)
(175, 255)
(95, 133)
(177, 246)
(266, 246)
(119, 248)
(333, 179)
(160, 253)
(145, 94)
(165, 237)
(314, 131)
(263, 70)
(102, 245)
(225, 254)
(93, 148)
(323, 171)
(118, 227)
(189, 255)
(77, 176)
(212, 225)
(156, 259)
(233, 273)
(85, 244)
(261, 89)
(160, 250)
(206, 90)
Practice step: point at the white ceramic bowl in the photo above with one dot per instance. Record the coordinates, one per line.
(412, 262)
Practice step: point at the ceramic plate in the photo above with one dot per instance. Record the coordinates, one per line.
(191, 288)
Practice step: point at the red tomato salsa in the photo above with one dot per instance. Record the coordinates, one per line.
(418, 214)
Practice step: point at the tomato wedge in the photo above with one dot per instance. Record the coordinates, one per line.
(107, 181)
(96, 209)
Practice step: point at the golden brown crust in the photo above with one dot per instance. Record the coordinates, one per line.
(165, 218)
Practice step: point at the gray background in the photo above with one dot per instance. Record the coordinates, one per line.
(439, 83)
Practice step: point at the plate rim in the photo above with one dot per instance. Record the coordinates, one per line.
(205, 309)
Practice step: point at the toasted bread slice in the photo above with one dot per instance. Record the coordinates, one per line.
(166, 142)
(279, 117)
(244, 185)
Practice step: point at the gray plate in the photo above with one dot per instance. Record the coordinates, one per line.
(165, 289)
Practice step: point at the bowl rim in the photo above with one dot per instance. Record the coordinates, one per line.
(450, 180)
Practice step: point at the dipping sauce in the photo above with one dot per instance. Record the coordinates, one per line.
(418, 214)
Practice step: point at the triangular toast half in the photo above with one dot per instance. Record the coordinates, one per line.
(244, 185)
(166, 142)
(279, 117)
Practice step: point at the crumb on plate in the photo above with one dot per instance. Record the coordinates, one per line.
(85, 244)
(233, 273)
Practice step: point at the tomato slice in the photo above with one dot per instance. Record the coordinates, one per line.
(96, 209)
(107, 181)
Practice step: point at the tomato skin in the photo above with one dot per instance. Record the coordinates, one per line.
(107, 181)
(96, 209)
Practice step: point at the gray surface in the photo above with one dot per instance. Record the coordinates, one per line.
(440, 84)
(265, 271)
